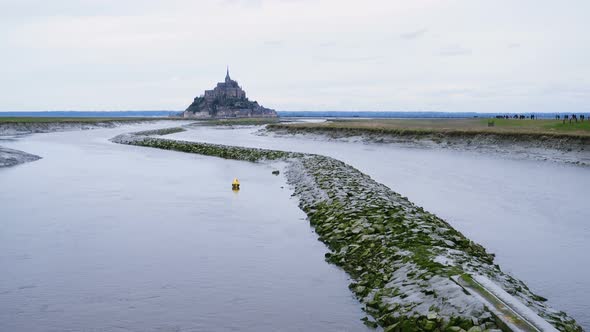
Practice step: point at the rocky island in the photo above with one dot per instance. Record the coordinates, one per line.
(226, 100)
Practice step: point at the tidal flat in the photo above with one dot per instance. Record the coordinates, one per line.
(542, 140)
(10, 157)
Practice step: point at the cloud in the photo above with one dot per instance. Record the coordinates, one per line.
(327, 44)
(454, 50)
(243, 3)
(274, 43)
(413, 34)
(304, 54)
(350, 58)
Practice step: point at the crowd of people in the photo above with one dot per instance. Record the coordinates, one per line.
(571, 118)
(516, 116)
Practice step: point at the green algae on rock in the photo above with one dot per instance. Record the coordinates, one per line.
(160, 132)
(400, 257)
(215, 150)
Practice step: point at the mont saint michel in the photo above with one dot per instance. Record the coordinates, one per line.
(226, 100)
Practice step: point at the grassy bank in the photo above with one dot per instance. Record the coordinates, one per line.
(511, 127)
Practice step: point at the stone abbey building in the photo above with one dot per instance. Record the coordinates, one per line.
(229, 88)
(226, 100)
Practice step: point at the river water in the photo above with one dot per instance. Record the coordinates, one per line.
(98, 236)
(535, 216)
(104, 237)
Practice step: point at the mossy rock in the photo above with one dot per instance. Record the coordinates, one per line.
(430, 325)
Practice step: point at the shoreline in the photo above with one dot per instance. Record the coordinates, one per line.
(401, 259)
(23, 126)
(14, 127)
(555, 147)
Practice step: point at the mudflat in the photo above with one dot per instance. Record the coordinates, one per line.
(551, 140)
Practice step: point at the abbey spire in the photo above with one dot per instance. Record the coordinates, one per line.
(227, 78)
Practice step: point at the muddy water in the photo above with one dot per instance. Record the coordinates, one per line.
(98, 236)
(533, 215)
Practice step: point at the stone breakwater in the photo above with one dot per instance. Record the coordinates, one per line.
(403, 261)
(545, 147)
(401, 257)
(215, 150)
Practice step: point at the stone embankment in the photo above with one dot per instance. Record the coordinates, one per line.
(564, 148)
(405, 263)
(215, 150)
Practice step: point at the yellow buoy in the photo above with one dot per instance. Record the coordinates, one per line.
(235, 185)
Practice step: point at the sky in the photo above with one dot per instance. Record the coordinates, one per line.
(297, 55)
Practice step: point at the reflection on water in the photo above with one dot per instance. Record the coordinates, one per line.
(532, 215)
(104, 237)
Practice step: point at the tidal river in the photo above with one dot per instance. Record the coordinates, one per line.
(533, 215)
(98, 236)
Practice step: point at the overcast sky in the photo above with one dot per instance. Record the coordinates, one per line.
(480, 56)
